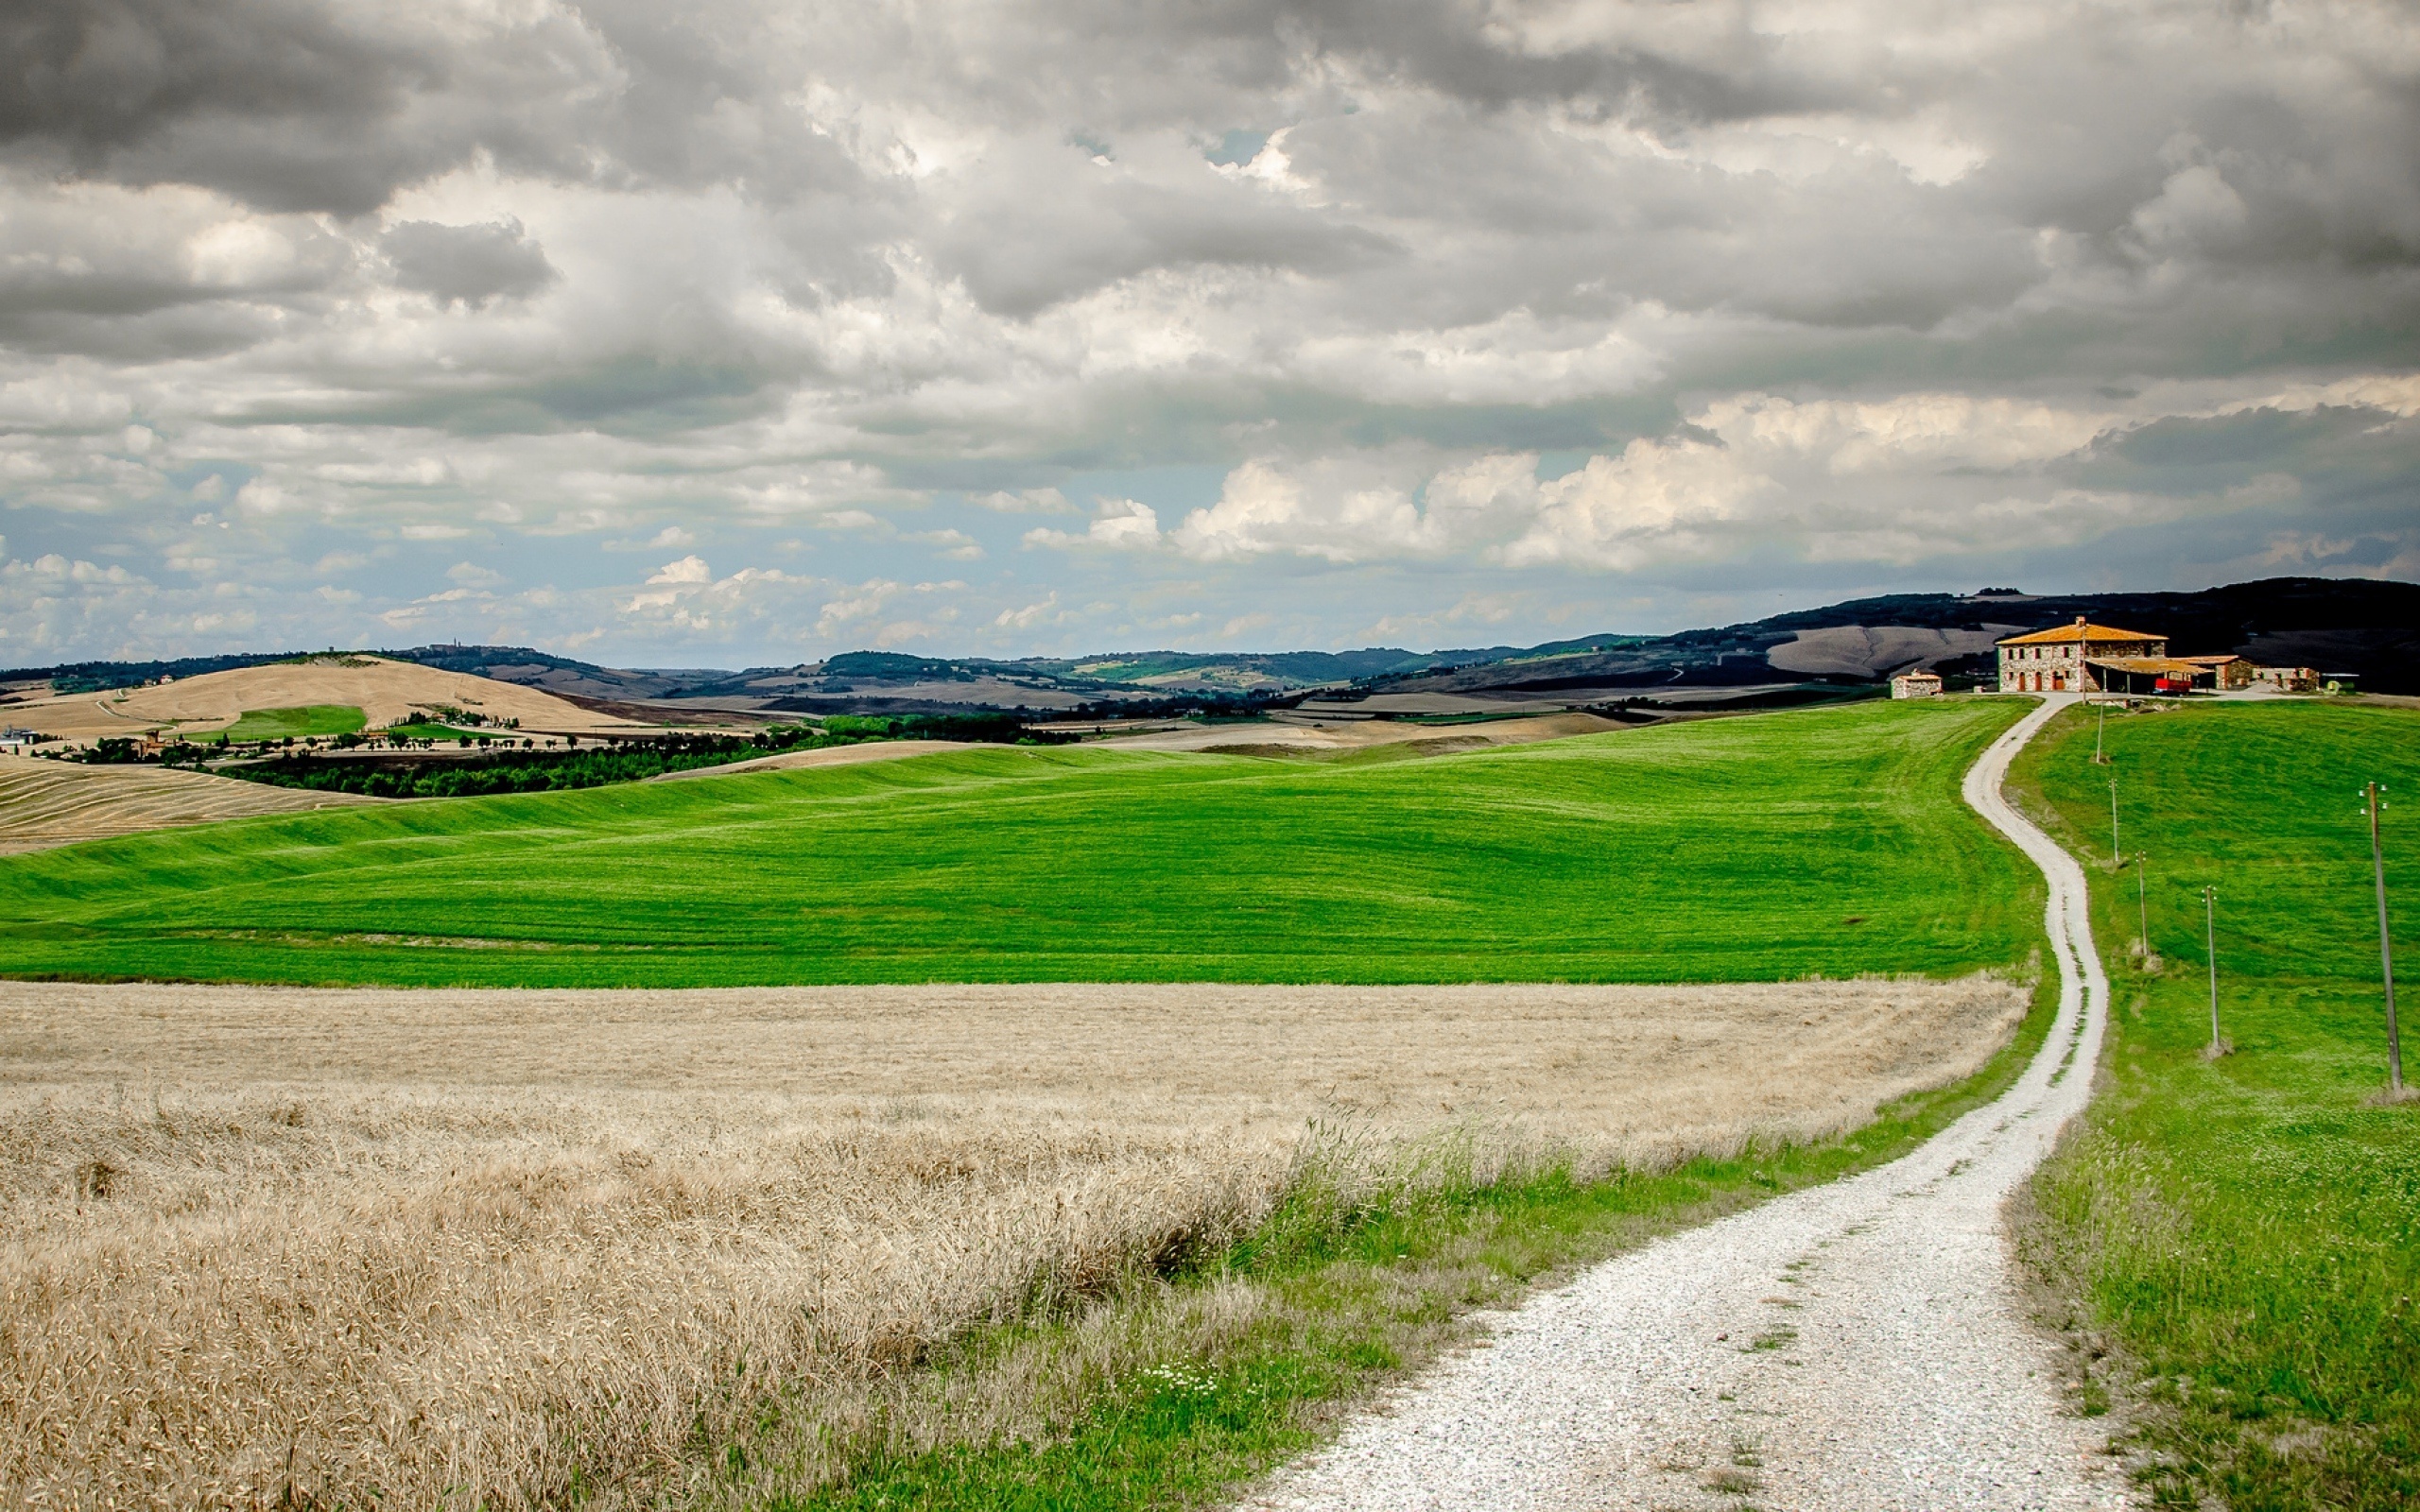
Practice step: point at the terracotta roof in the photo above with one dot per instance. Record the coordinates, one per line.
(2209, 660)
(2078, 631)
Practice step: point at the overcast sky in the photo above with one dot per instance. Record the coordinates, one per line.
(741, 332)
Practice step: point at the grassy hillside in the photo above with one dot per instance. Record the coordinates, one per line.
(1826, 841)
(2248, 1229)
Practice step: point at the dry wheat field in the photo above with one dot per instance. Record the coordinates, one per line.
(507, 1248)
(44, 803)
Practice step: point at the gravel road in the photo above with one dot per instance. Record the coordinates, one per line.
(1853, 1347)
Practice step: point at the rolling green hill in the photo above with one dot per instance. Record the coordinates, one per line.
(1826, 841)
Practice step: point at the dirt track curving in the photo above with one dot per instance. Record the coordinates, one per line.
(1846, 1348)
(43, 803)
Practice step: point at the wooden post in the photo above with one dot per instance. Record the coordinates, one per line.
(2143, 901)
(2115, 858)
(2386, 947)
(2210, 916)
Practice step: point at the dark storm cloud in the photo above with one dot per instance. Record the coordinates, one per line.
(1584, 292)
(287, 104)
(467, 265)
(1022, 252)
(100, 76)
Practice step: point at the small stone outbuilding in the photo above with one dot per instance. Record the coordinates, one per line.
(2227, 673)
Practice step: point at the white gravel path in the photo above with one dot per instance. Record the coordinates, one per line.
(1858, 1346)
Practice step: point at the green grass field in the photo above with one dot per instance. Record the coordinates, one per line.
(1820, 841)
(2248, 1229)
(297, 724)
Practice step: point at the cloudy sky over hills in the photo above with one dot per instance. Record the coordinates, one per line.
(742, 332)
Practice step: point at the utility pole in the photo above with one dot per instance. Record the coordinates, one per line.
(2102, 729)
(2386, 945)
(2115, 858)
(2210, 916)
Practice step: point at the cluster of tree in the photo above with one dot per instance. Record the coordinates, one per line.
(100, 677)
(1000, 728)
(1207, 705)
(511, 771)
(107, 751)
(893, 666)
(508, 770)
(446, 713)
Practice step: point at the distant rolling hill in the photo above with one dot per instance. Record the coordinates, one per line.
(2336, 625)
(375, 692)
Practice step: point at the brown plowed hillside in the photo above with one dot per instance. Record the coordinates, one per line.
(44, 803)
(386, 693)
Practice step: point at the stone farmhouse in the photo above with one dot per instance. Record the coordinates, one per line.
(2063, 659)
(2087, 658)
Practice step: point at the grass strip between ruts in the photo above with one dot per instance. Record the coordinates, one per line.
(1330, 1301)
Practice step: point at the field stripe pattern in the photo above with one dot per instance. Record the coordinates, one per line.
(45, 803)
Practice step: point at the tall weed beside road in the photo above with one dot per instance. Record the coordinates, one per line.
(2246, 1231)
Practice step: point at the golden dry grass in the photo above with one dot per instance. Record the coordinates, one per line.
(45, 803)
(386, 692)
(454, 1247)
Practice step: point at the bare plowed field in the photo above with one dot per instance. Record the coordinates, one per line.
(493, 1247)
(45, 803)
